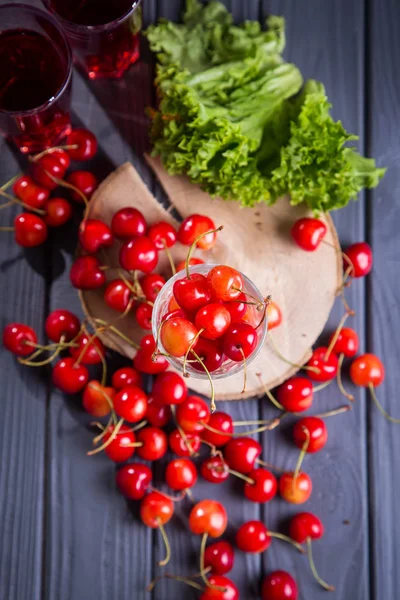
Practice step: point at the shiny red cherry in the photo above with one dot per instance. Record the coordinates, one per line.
(274, 315)
(240, 341)
(58, 212)
(192, 414)
(208, 516)
(70, 377)
(128, 223)
(366, 370)
(29, 230)
(279, 585)
(210, 353)
(295, 394)
(220, 557)
(31, 194)
(154, 442)
(183, 446)
(193, 227)
(156, 510)
(178, 336)
(85, 182)
(347, 342)
(162, 234)
(360, 257)
(242, 453)
(305, 525)
(120, 448)
(169, 388)
(295, 491)
(253, 537)
(139, 254)
(180, 474)
(133, 480)
(263, 488)
(221, 588)
(143, 315)
(94, 234)
(151, 284)
(125, 377)
(328, 367)
(90, 351)
(226, 283)
(48, 168)
(19, 339)
(214, 320)
(191, 293)
(214, 470)
(144, 361)
(237, 308)
(223, 424)
(118, 295)
(130, 404)
(313, 430)
(156, 415)
(308, 233)
(97, 399)
(86, 273)
(84, 142)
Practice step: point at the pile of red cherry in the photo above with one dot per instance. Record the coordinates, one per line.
(135, 421)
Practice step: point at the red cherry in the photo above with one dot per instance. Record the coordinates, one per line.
(191, 293)
(237, 308)
(312, 429)
(305, 525)
(177, 336)
(180, 474)
(214, 470)
(70, 377)
(139, 254)
(360, 256)
(18, 339)
(192, 414)
(62, 323)
(143, 360)
(328, 368)
(86, 273)
(94, 234)
(89, 351)
(58, 212)
(242, 453)
(180, 445)
(62, 156)
(156, 415)
(253, 537)
(222, 589)
(214, 319)
(85, 182)
(156, 510)
(151, 284)
(29, 230)
(366, 370)
(222, 422)
(131, 404)
(118, 295)
(308, 233)
(133, 480)
(46, 168)
(220, 557)
(274, 315)
(169, 388)
(95, 399)
(162, 234)
(181, 266)
(347, 342)
(295, 394)
(192, 227)
(210, 353)
(30, 193)
(86, 143)
(279, 585)
(143, 315)
(240, 341)
(226, 283)
(154, 442)
(264, 487)
(126, 377)
(295, 491)
(120, 448)
(128, 223)
(208, 516)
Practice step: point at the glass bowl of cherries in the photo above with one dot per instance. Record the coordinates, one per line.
(210, 321)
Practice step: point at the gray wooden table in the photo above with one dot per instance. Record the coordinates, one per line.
(65, 533)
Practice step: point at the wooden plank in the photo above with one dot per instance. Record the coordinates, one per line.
(326, 41)
(383, 293)
(22, 426)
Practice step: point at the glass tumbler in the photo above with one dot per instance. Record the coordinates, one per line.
(35, 78)
(104, 34)
(253, 317)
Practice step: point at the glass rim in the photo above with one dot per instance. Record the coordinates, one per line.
(53, 21)
(70, 25)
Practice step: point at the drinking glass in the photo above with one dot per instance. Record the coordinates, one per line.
(104, 34)
(228, 367)
(35, 78)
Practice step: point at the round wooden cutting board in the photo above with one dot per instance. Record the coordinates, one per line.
(256, 241)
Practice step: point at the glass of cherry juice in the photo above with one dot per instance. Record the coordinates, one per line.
(104, 34)
(35, 78)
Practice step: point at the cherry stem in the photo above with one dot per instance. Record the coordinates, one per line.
(49, 359)
(241, 476)
(182, 433)
(278, 353)
(267, 302)
(336, 411)
(14, 200)
(336, 335)
(118, 333)
(109, 401)
(272, 425)
(9, 183)
(186, 580)
(379, 405)
(165, 561)
(169, 256)
(69, 186)
(50, 150)
(322, 386)
(269, 466)
(192, 343)
(172, 498)
(127, 283)
(269, 394)
(285, 538)
(203, 572)
(110, 439)
(257, 302)
(314, 571)
(97, 439)
(349, 397)
(194, 245)
(244, 370)
(7, 229)
(213, 406)
(302, 454)
(189, 494)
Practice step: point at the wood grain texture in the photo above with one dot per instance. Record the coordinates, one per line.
(23, 413)
(383, 291)
(320, 43)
